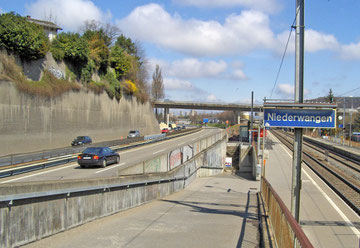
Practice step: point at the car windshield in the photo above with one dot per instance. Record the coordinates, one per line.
(80, 137)
(93, 150)
(132, 131)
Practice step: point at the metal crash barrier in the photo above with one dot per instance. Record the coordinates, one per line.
(287, 231)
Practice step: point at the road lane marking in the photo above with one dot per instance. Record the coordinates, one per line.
(112, 167)
(64, 156)
(147, 146)
(158, 151)
(337, 209)
(37, 174)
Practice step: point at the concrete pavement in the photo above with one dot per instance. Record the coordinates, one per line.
(325, 218)
(216, 211)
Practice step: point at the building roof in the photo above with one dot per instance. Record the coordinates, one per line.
(44, 23)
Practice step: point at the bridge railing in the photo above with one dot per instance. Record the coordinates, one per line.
(287, 231)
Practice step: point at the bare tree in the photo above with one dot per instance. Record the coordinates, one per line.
(157, 86)
(49, 16)
(110, 30)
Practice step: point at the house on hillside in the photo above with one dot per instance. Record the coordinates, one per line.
(50, 28)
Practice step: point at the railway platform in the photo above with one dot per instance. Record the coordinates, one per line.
(325, 218)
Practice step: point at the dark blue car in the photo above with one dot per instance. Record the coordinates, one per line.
(98, 156)
(81, 140)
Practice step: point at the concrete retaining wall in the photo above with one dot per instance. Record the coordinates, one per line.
(30, 219)
(33, 123)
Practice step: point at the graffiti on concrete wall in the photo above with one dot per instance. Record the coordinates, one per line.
(188, 152)
(57, 73)
(153, 165)
(174, 158)
(213, 158)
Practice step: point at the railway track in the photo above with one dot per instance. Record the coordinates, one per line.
(340, 174)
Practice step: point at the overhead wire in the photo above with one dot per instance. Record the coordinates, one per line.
(283, 56)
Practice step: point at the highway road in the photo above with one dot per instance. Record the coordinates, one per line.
(127, 157)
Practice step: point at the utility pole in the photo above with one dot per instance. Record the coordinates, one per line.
(343, 138)
(350, 130)
(299, 98)
(252, 110)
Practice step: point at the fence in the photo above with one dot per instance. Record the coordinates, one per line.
(287, 231)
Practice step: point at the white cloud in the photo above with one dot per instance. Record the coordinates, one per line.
(288, 90)
(314, 41)
(351, 51)
(68, 14)
(211, 98)
(191, 68)
(174, 84)
(239, 34)
(263, 5)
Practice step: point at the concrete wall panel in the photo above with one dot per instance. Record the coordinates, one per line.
(30, 123)
(30, 220)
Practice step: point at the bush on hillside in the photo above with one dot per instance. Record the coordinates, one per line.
(71, 47)
(22, 37)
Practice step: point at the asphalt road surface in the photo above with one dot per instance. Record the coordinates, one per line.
(127, 157)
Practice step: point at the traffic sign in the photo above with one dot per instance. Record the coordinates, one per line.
(292, 117)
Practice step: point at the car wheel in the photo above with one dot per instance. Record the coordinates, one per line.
(117, 159)
(82, 166)
(103, 163)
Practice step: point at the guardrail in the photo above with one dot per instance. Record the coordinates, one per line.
(287, 231)
(67, 158)
(84, 201)
(154, 137)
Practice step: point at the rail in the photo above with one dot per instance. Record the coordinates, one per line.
(287, 231)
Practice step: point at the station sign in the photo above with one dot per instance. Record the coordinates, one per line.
(300, 117)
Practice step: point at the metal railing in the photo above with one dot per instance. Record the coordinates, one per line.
(287, 231)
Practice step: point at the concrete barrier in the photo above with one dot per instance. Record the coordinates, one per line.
(32, 211)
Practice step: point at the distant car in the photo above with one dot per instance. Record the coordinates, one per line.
(98, 156)
(183, 127)
(177, 128)
(165, 130)
(133, 134)
(81, 140)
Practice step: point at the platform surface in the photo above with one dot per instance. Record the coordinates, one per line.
(325, 218)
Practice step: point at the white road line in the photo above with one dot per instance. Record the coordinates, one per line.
(147, 146)
(112, 167)
(64, 156)
(44, 172)
(181, 143)
(158, 151)
(337, 209)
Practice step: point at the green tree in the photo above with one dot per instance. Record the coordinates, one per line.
(23, 37)
(357, 124)
(120, 61)
(330, 96)
(73, 48)
(98, 51)
(127, 45)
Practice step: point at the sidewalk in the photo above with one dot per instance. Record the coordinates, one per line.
(219, 211)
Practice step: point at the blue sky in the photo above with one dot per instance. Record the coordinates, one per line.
(221, 50)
